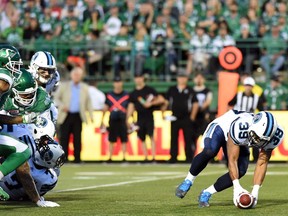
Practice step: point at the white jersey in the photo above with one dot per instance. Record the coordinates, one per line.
(45, 180)
(239, 133)
(224, 122)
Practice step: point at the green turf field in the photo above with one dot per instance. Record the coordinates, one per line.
(148, 189)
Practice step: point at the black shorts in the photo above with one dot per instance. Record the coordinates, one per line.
(117, 128)
(146, 127)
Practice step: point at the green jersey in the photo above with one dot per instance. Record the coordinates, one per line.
(42, 103)
(275, 97)
(7, 76)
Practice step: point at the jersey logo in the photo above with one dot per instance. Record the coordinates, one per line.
(257, 118)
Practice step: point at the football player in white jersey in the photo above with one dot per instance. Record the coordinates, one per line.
(215, 137)
(44, 70)
(46, 159)
(261, 131)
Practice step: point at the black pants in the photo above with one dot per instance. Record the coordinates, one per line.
(185, 125)
(71, 125)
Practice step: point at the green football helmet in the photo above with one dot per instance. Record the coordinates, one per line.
(25, 89)
(10, 59)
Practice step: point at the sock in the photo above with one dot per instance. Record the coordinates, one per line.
(190, 177)
(1, 175)
(211, 189)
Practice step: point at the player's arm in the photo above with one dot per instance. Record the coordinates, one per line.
(233, 155)
(28, 118)
(130, 110)
(261, 167)
(105, 109)
(25, 178)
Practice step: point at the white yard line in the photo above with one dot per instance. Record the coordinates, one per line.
(130, 182)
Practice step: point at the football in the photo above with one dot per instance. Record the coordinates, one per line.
(245, 201)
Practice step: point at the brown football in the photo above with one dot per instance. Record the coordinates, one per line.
(245, 201)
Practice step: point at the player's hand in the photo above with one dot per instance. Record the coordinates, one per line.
(236, 191)
(255, 192)
(43, 203)
(30, 118)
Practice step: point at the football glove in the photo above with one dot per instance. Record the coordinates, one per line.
(255, 192)
(237, 189)
(30, 118)
(43, 203)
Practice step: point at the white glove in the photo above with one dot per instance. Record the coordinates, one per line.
(43, 203)
(237, 189)
(30, 118)
(255, 192)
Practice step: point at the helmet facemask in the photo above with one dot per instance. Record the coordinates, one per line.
(256, 141)
(25, 98)
(45, 74)
(14, 67)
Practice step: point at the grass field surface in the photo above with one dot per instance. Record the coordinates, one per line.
(148, 189)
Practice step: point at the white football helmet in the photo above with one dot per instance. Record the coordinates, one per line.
(44, 65)
(262, 129)
(43, 127)
(49, 155)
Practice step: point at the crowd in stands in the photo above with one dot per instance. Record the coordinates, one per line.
(151, 36)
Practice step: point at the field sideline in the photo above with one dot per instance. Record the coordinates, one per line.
(148, 189)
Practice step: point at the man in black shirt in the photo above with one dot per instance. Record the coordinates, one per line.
(144, 99)
(117, 103)
(183, 103)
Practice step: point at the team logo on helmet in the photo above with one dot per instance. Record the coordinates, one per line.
(257, 118)
(5, 53)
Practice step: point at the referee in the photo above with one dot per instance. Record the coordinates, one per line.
(183, 103)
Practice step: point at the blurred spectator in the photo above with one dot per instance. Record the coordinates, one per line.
(282, 22)
(96, 51)
(55, 9)
(140, 48)
(65, 22)
(183, 30)
(94, 22)
(113, 21)
(46, 42)
(198, 52)
(33, 7)
(92, 6)
(173, 7)
(145, 15)
(248, 46)
(144, 99)
(7, 12)
(117, 102)
(262, 31)
(269, 16)
(71, 5)
(273, 49)
(167, 16)
(46, 21)
(130, 15)
(276, 95)
(204, 96)
(233, 18)
(172, 47)
(33, 31)
(222, 40)
(182, 101)
(253, 21)
(216, 6)
(255, 6)
(282, 9)
(208, 20)
(97, 97)
(121, 51)
(14, 33)
(73, 101)
(155, 64)
(158, 28)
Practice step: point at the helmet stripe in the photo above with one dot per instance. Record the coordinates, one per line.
(270, 123)
(49, 59)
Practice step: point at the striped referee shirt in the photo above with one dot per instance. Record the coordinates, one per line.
(248, 103)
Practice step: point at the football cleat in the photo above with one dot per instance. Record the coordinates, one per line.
(203, 199)
(183, 188)
(3, 195)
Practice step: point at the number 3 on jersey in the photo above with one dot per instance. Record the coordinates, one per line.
(243, 130)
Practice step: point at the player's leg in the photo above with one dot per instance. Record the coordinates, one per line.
(212, 144)
(174, 141)
(150, 133)
(112, 137)
(189, 143)
(225, 181)
(141, 133)
(16, 153)
(123, 137)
